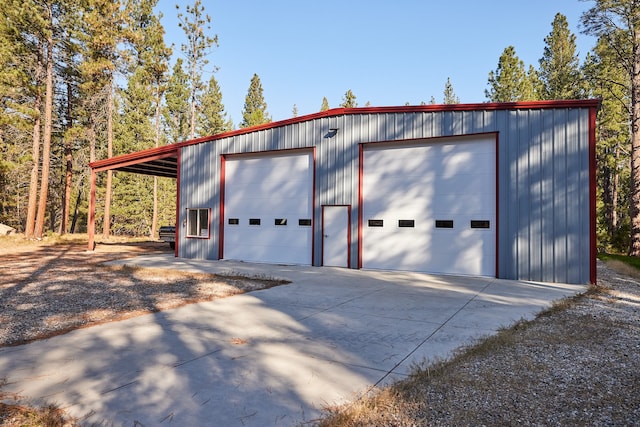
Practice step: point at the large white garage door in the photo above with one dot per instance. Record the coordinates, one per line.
(268, 208)
(431, 206)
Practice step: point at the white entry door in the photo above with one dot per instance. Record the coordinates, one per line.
(335, 236)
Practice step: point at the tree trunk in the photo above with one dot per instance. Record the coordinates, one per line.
(66, 196)
(635, 147)
(194, 72)
(615, 188)
(33, 184)
(91, 136)
(106, 225)
(68, 179)
(154, 222)
(74, 220)
(46, 141)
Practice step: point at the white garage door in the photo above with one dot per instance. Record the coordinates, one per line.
(431, 206)
(268, 208)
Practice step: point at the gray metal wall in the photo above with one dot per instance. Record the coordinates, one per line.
(543, 172)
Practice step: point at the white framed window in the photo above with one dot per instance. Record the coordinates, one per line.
(198, 223)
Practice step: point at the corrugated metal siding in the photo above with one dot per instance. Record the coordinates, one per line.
(543, 168)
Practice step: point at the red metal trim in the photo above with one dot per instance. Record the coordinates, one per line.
(177, 238)
(208, 236)
(395, 142)
(221, 220)
(322, 244)
(360, 213)
(418, 140)
(348, 233)
(91, 224)
(349, 236)
(313, 209)
(588, 103)
(285, 151)
(593, 252)
(146, 155)
(497, 232)
(136, 157)
(305, 150)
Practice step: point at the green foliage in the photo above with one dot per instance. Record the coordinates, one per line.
(607, 80)
(450, 96)
(325, 104)
(196, 24)
(560, 66)
(131, 216)
(255, 107)
(212, 118)
(102, 31)
(349, 100)
(629, 260)
(510, 82)
(175, 114)
(616, 23)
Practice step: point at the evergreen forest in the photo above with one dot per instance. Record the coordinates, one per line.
(86, 80)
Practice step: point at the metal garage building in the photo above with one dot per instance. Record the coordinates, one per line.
(504, 190)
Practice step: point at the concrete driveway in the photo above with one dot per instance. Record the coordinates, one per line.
(270, 357)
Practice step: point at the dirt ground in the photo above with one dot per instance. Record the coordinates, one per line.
(51, 287)
(574, 365)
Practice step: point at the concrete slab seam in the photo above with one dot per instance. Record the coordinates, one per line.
(433, 333)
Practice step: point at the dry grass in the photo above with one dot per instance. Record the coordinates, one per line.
(575, 364)
(16, 414)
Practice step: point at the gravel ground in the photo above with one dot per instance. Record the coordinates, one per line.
(47, 290)
(577, 364)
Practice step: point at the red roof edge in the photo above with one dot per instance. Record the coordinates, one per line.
(335, 112)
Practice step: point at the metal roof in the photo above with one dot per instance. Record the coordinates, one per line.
(163, 161)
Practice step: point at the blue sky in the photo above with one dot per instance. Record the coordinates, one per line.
(387, 52)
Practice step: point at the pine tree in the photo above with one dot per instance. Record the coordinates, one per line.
(349, 100)
(294, 111)
(255, 107)
(157, 65)
(607, 81)
(212, 118)
(510, 82)
(34, 28)
(69, 74)
(21, 79)
(176, 96)
(450, 96)
(195, 25)
(560, 65)
(325, 104)
(103, 34)
(616, 23)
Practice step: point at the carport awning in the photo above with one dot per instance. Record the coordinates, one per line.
(161, 161)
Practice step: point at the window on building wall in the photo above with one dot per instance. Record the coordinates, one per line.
(444, 223)
(198, 222)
